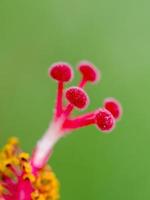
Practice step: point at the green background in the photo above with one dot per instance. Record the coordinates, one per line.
(115, 36)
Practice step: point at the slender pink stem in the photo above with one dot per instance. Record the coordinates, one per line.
(82, 83)
(58, 108)
(68, 110)
(80, 121)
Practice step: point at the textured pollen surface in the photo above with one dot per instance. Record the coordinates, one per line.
(77, 97)
(114, 107)
(89, 72)
(104, 120)
(61, 72)
(16, 175)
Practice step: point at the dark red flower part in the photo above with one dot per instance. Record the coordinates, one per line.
(89, 73)
(104, 120)
(114, 107)
(77, 97)
(61, 72)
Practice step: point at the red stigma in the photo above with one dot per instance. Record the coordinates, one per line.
(61, 72)
(104, 120)
(77, 97)
(89, 72)
(114, 107)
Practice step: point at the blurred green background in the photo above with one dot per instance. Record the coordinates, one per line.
(115, 36)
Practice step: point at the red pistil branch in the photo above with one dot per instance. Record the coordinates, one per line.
(76, 97)
(104, 118)
(89, 73)
(80, 121)
(61, 72)
(59, 104)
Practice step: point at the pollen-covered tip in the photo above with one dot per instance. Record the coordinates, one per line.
(61, 72)
(104, 120)
(114, 107)
(89, 72)
(77, 97)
